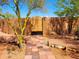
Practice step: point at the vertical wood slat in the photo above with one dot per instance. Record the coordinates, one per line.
(36, 23)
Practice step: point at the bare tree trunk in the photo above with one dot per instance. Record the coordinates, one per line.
(70, 23)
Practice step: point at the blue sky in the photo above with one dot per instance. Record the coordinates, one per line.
(49, 6)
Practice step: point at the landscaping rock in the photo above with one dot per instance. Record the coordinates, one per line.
(52, 45)
(8, 38)
(60, 47)
(73, 50)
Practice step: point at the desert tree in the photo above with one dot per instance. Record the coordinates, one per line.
(16, 5)
(68, 8)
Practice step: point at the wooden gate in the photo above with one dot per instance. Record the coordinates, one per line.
(37, 26)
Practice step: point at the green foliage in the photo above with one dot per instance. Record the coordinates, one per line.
(0, 9)
(33, 4)
(6, 15)
(68, 8)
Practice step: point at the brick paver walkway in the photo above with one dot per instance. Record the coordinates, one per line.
(39, 53)
(37, 50)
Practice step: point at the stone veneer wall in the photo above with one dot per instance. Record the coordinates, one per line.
(58, 25)
(50, 25)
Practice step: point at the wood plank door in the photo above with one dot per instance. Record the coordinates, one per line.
(36, 24)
